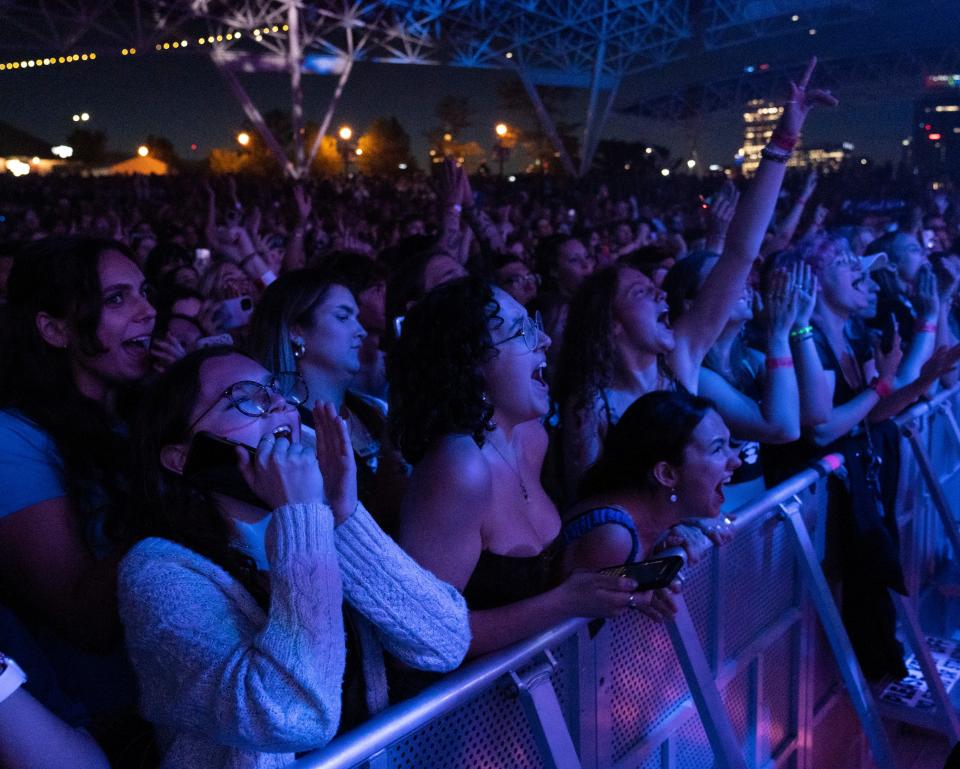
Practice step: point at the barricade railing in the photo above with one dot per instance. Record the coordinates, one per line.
(754, 671)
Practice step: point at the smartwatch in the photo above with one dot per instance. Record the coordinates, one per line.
(11, 677)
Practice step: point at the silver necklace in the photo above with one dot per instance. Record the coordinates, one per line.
(515, 470)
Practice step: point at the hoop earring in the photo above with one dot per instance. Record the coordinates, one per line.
(298, 346)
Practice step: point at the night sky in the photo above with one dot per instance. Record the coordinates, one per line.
(180, 95)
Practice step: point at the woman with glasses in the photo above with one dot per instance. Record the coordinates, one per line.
(468, 394)
(307, 321)
(237, 629)
(514, 277)
(76, 335)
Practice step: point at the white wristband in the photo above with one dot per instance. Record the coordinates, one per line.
(11, 677)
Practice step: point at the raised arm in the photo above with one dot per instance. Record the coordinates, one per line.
(698, 329)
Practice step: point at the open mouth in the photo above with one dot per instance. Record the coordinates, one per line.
(283, 431)
(664, 318)
(539, 374)
(138, 343)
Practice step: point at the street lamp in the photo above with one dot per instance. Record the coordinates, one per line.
(143, 150)
(346, 133)
(500, 148)
(243, 138)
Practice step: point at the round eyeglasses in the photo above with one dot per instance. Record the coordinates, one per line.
(530, 332)
(254, 399)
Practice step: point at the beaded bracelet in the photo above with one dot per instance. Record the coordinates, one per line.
(925, 327)
(773, 363)
(804, 332)
(767, 154)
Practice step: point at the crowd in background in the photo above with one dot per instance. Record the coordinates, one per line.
(244, 420)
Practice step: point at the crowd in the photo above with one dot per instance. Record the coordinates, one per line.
(274, 456)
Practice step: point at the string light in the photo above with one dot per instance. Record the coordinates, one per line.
(167, 45)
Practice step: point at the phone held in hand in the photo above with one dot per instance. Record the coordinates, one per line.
(213, 466)
(236, 312)
(652, 574)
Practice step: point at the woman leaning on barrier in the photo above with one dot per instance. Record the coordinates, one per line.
(661, 475)
(251, 647)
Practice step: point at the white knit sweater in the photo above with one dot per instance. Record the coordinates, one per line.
(228, 687)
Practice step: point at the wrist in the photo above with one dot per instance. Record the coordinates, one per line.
(882, 386)
(779, 362)
(925, 326)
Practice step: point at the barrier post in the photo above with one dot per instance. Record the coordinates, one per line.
(696, 670)
(937, 496)
(826, 609)
(540, 703)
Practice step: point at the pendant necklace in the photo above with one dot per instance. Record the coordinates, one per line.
(515, 470)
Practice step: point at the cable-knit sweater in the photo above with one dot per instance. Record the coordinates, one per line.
(230, 687)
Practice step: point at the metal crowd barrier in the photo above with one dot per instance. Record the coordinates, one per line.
(755, 671)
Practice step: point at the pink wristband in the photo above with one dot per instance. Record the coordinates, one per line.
(882, 387)
(924, 327)
(773, 363)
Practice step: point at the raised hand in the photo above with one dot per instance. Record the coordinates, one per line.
(780, 304)
(720, 216)
(926, 299)
(806, 286)
(802, 100)
(165, 352)
(303, 202)
(335, 458)
(281, 472)
(888, 363)
(449, 184)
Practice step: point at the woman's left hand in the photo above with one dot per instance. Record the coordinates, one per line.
(336, 460)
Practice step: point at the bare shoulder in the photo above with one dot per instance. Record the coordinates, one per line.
(453, 475)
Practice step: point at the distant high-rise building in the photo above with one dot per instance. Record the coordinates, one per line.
(936, 127)
(760, 119)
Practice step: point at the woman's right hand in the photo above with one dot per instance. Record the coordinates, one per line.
(802, 100)
(591, 594)
(282, 473)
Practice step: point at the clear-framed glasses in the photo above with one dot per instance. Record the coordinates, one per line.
(530, 278)
(530, 332)
(254, 399)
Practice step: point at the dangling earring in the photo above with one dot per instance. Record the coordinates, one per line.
(673, 496)
(491, 423)
(298, 346)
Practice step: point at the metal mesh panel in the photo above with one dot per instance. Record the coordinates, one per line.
(826, 676)
(761, 559)
(699, 593)
(489, 732)
(693, 748)
(778, 690)
(736, 697)
(646, 684)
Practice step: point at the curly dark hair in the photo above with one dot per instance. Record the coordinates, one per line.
(436, 387)
(588, 356)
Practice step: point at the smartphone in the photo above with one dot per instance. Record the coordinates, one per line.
(651, 574)
(201, 259)
(236, 312)
(212, 465)
(928, 239)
